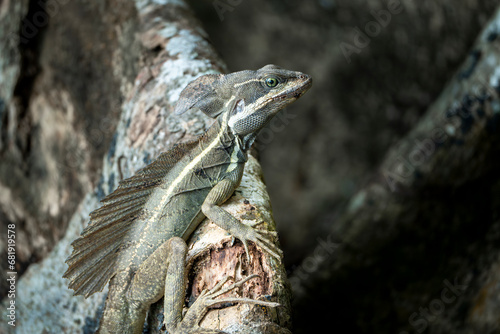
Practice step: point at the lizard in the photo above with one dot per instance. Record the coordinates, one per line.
(136, 240)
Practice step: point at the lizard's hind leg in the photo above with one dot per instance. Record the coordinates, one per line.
(162, 274)
(127, 304)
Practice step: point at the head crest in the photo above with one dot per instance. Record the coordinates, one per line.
(201, 93)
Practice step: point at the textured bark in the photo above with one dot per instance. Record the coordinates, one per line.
(105, 66)
(422, 238)
(60, 87)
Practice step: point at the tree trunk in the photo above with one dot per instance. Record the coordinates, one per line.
(104, 78)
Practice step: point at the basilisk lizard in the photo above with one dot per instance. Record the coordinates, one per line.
(137, 239)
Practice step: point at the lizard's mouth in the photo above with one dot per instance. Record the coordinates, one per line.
(297, 90)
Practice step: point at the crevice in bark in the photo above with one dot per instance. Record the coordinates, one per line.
(31, 32)
(4, 122)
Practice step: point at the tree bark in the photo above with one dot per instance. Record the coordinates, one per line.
(143, 53)
(432, 209)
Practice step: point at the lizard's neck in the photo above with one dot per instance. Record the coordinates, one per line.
(235, 146)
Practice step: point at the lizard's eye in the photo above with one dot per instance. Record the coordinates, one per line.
(271, 82)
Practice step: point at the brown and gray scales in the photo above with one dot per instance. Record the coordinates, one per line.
(136, 240)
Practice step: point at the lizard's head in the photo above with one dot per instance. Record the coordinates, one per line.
(248, 100)
(260, 94)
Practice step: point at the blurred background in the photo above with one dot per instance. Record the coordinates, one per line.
(360, 105)
(368, 93)
(365, 98)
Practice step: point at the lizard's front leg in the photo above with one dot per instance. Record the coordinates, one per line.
(210, 208)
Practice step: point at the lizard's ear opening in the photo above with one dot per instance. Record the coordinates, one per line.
(239, 107)
(202, 94)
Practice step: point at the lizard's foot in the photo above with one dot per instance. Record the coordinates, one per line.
(206, 299)
(260, 237)
(217, 290)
